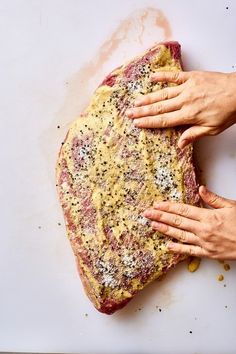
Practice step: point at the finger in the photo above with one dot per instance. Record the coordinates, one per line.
(173, 220)
(154, 109)
(177, 77)
(195, 251)
(157, 96)
(188, 211)
(191, 134)
(164, 120)
(214, 200)
(180, 235)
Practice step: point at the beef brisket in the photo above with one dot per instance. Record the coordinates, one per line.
(109, 171)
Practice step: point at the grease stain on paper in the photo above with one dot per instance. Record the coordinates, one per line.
(137, 32)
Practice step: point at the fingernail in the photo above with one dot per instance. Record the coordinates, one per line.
(204, 189)
(129, 113)
(157, 205)
(170, 246)
(155, 225)
(138, 102)
(183, 143)
(147, 213)
(160, 205)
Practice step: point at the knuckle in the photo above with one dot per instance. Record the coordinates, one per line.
(162, 122)
(176, 75)
(164, 94)
(158, 108)
(216, 219)
(186, 114)
(207, 231)
(165, 228)
(191, 94)
(177, 221)
(152, 123)
(151, 109)
(182, 236)
(183, 209)
(209, 247)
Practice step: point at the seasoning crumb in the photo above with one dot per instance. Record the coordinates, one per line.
(220, 277)
(226, 267)
(190, 332)
(193, 264)
(227, 7)
(140, 309)
(159, 310)
(59, 224)
(86, 315)
(39, 227)
(58, 127)
(224, 285)
(226, 306)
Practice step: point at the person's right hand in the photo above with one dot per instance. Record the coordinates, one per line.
(205, 101)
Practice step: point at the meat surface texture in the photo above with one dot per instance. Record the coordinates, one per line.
(109, 171)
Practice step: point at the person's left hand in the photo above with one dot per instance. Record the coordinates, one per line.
(203, 232)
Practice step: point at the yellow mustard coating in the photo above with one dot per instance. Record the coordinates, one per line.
(149, 167)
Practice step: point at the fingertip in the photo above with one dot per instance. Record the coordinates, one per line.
(153, 77)
(156, 205)
(129, 113)
(202, 190)
(170, 245)
(154, 224)
(138, 102)
(146, 213)
(204, 194)
(136, 122)
(183, 143)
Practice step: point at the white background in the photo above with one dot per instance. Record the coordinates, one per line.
(53, 53)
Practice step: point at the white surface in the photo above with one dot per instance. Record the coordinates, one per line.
(42, 305)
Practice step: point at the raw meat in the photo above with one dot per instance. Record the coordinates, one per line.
(108, 172)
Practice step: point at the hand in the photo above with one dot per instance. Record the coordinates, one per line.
(204, 232)
(206, 101)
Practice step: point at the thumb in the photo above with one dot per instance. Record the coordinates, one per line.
(191, 134)
(213, 200)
